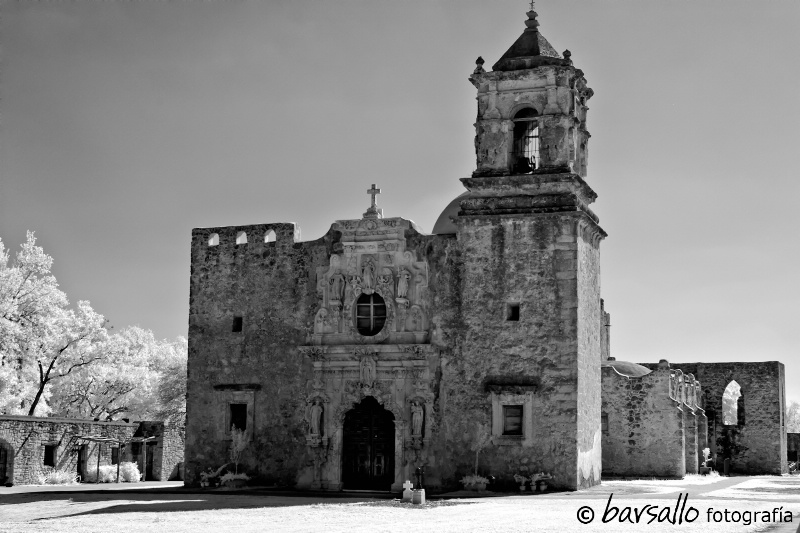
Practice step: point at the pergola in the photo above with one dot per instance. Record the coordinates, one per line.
(101, 439)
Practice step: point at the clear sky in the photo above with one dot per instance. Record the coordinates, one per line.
(124, 124)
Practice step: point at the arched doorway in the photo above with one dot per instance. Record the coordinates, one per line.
(368, 448)
(6, 462)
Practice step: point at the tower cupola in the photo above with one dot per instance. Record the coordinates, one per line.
(531, 110)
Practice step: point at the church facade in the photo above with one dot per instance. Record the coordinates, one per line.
(354, 359)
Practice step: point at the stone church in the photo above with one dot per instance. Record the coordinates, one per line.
(354, 359)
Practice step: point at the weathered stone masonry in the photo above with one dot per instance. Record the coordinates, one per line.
(23, 439)
(499, 315)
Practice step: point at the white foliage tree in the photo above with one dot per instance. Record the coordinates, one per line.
(42, 340)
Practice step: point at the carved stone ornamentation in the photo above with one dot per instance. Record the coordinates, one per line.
(314, 352)
(368, 371)
(402, 283)
(417, 418)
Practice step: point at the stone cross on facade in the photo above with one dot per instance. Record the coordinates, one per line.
(373, 211)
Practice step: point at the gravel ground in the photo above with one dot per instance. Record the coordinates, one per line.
(106, 511)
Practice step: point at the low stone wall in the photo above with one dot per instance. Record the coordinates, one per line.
(25, 439)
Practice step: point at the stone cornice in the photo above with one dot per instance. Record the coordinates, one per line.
(530, 185)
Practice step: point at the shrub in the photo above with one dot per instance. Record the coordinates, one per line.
(231, 476)
(108, 474)
(51, 476)
(129, 472)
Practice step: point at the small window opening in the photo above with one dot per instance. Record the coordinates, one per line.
(114, 456)
(604, 423)
(730, 404)
(512, 312)
(239, 416)
(241, 238)
(512, 420)
(370, 314)
(237, 324)
(49, 455)
(213, 240)
(525, 155)
(270, 236)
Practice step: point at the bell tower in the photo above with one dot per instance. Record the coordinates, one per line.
(531, 110)
(531, 263)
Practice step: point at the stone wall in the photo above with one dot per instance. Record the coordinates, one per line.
(793, 446)
(167, 450)
(25, 437)
(272, 287)
(758, 445)
(470, 349)
(645, 426)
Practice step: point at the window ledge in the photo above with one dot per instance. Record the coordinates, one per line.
(508, 440)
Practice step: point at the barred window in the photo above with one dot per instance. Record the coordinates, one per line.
(512, 420)
(370, 314)
(525, 156)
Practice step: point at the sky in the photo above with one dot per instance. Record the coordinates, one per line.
(125, 124)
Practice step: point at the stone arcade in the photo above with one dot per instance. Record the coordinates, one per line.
(353, 359)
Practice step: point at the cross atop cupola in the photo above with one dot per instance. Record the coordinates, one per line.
(373, 211)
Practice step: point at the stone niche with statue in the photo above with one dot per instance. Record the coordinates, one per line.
(370, 346)
(373, 292)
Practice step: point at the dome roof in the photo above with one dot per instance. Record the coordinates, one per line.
(445, 226)
(631, 370)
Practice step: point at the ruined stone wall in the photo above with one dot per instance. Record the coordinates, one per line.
(167, 451)
(25, 437)
(645, 428)
(605, 333)
(759, 445)
(172, 451)
(793, 446)
(271, 286)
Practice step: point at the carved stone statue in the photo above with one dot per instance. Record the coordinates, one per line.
(417, 416)
(316, 417)
(367, 274)
(337, 283)
(402, 284)
(367, 371)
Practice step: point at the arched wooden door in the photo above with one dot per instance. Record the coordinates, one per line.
(368, 448)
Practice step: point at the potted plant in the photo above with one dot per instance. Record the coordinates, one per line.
(705, 469)
(539, 481)
(522, 480)
(474, 482)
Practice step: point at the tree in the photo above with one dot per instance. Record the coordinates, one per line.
(42, 340)
(793, 418)
(127, 381)
(171, 392)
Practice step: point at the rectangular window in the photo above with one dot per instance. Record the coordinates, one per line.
(49, 455)
(512, 312)
(237, 324)
(512, 420)
(239, 416)
(114, 456)
(604, 423)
